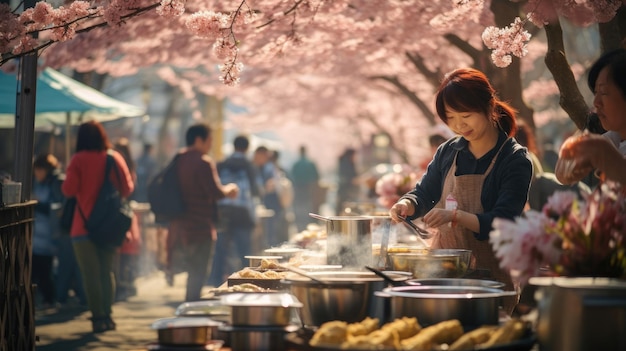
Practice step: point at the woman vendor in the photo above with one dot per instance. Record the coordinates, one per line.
(481, 174)
(581, 154)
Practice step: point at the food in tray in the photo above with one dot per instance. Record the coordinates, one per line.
(406, 334)
(253, 274)
(245, 287)
(269, 264)
(445, 332)
(405, 327)
(331, 334)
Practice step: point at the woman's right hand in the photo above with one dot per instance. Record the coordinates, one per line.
(574, 161)
(402, 208)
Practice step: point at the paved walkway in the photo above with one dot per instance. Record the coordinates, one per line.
(69, 329)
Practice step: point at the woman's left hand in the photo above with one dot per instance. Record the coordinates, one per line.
(438, 217)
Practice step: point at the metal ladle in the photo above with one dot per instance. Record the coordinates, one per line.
(422, 233)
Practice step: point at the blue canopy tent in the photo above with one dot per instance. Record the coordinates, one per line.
(62, 101)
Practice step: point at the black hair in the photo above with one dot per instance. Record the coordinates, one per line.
(241, 143)
(46, 162)
(200, 130)
(92, 137)
(615, 60)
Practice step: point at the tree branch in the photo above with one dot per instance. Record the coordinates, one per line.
(571, 99)
(411, 95)
(393, 143)
(418, 62)
(464, 46)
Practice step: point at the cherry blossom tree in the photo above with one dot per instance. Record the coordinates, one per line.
(313, 59)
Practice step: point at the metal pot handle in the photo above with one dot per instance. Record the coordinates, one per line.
(382, 294)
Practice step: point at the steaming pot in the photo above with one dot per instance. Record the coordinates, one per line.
(349, 240)
(578, 314)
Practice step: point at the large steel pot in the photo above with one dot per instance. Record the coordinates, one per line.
(342, 295)
(258, 338)
(578, 314)
(261, 309)
(349, 240)
(472, 306)
(186, 331)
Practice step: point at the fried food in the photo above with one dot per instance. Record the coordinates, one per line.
(268, 264)
(364, 327)
(405, 327)
(511, 330)
(251, 273)
(470, 340)
(441, 333)
(373, 341)
(331, 334)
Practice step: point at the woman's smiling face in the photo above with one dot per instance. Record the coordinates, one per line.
(470, 125)
(610, 103)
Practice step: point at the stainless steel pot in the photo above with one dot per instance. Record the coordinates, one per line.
(578, 314)
(258, 338)
(349, 240)
(261, 309)
(343, 295)
(186, 331)
(472, 306)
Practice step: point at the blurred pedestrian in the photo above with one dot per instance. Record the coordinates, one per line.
(85, 177)
(267, 174)
(146, 168)
(305, 182)
(347, 188)
(194, 232)
(47, 191)
(128, 254)
(237, 217)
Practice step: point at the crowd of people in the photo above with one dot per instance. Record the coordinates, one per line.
(489, 169)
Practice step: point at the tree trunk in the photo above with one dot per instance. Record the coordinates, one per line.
(613, 32)
(571, 99)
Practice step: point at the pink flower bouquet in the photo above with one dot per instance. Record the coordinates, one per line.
(570, 237)
(391, 186)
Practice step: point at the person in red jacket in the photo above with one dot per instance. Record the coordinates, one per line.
(84, 178)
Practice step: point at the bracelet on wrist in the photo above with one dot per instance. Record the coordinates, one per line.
(454, 218)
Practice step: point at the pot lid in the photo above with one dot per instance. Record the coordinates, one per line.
(269, 299)
(182, 322)
(446, 292)
(202, 308)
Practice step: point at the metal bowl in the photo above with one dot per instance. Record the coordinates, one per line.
(186, 331)
(430, 264)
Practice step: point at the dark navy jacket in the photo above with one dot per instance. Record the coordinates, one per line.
(505, 190)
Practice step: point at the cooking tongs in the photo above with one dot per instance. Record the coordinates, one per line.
(422, 233)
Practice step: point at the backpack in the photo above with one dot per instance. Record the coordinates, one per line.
(243, 205)
(164, 195)
(111, 215)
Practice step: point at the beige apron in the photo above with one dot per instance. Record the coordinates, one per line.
(467, 190)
